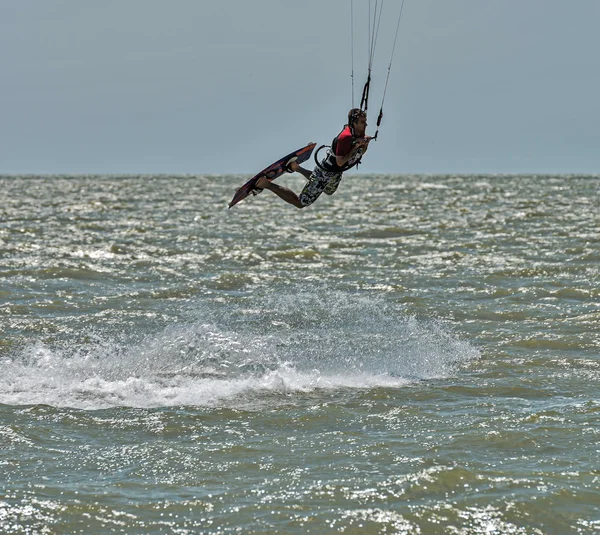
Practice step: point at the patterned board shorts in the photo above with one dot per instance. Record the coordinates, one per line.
(320, 181)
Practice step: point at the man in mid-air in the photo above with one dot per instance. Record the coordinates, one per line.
(346, 151)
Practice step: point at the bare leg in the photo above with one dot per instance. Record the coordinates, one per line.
(284, 193)
(298, 169)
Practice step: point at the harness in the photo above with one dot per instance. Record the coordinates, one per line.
(329, 163)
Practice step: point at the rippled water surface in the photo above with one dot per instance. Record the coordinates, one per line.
(413, 355)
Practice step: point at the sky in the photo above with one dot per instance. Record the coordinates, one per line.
(228, 86)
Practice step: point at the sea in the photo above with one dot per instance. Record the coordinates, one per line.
(415, 354)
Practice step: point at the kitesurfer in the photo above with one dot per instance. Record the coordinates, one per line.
(346, 151)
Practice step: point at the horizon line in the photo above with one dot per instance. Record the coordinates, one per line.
(199, 174)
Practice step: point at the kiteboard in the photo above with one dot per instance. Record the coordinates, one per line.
(274, 170)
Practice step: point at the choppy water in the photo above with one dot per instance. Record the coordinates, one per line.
(418, 356)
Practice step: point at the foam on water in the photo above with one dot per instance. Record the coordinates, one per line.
(283, 344)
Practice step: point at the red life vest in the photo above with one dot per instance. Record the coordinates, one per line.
(340, 146)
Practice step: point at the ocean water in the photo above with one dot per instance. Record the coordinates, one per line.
(413, 355)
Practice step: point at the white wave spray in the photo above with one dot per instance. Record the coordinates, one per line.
(295, 343)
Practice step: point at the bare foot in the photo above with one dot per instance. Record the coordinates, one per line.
(293, 166)
(262, 182)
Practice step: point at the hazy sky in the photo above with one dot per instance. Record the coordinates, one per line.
(192, 86)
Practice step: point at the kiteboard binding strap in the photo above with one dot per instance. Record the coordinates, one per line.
(256, 190)
(287, 167)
